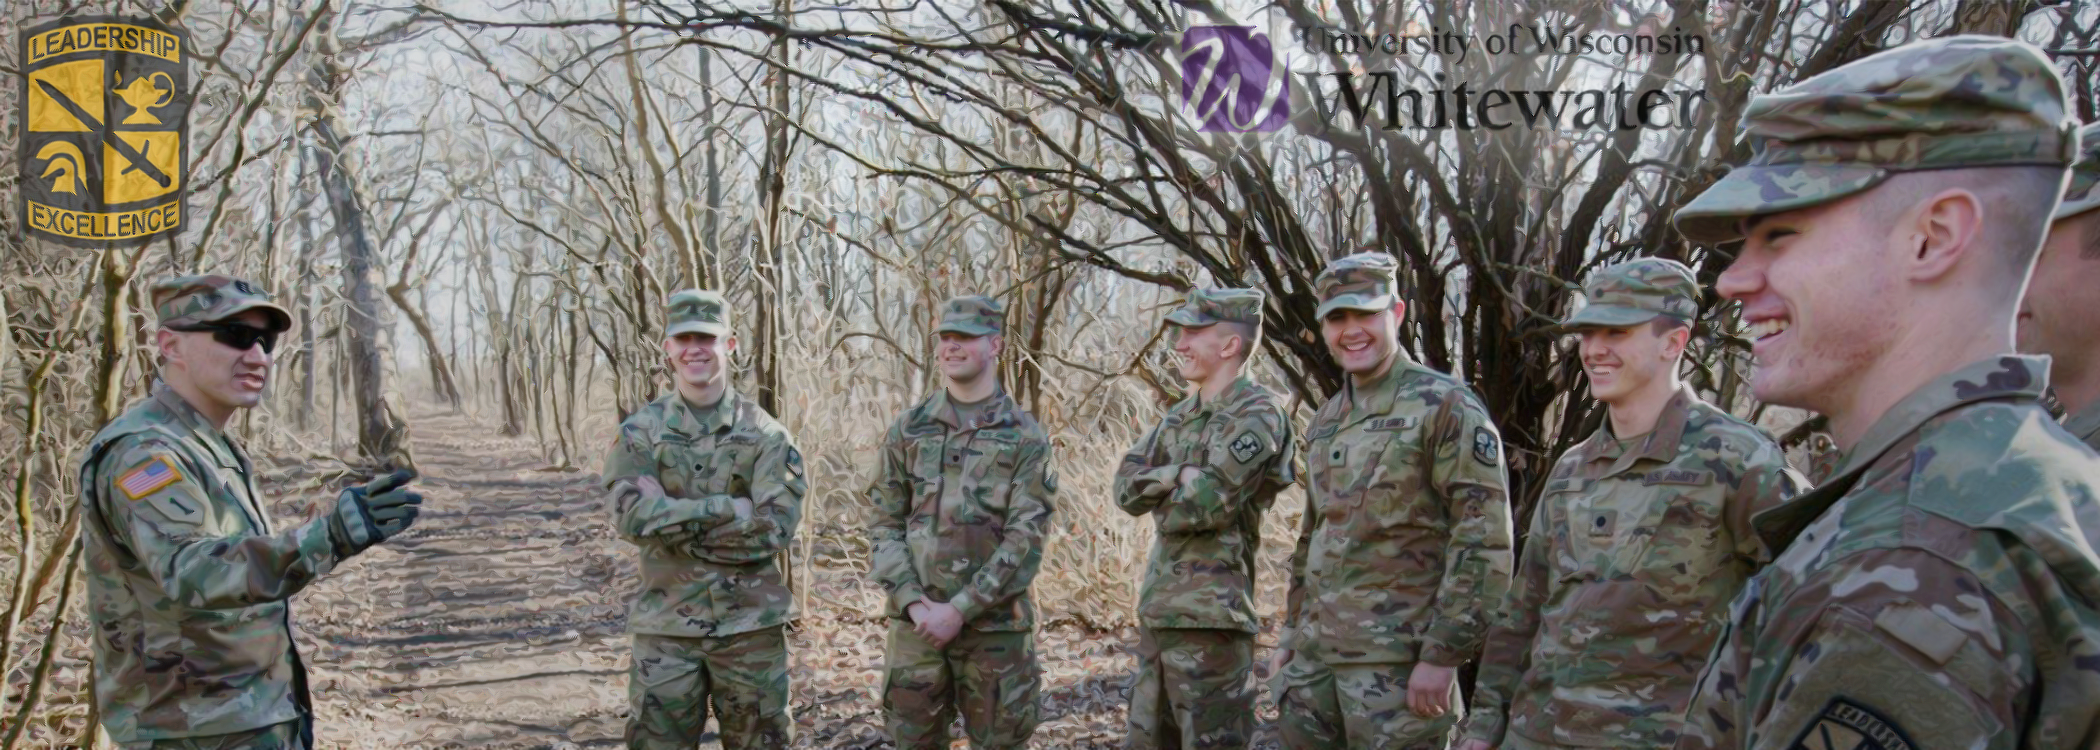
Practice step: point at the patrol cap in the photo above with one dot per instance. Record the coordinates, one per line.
(2083, 194)
(1209, 307)
(191, 300)
(698, 311)
(972, 315)
(1637, 291)
(1953, 102)
(1364, 281)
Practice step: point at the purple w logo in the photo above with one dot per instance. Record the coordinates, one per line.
(1232, 80)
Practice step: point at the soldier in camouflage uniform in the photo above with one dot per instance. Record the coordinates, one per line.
(1940, 589)
(2064, 294)
(1205, 473)
(1405, 551)
(962, 500)
(1639, 541)
(187, 576)
(710, 488)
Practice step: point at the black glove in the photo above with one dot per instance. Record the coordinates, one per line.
(365, 516)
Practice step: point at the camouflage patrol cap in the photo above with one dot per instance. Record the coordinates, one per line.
(1962, 101)
(190, 300)
(1635, 292)
(703, 311)
(2083, 194)
(1364, 281)
(973, 315)
(1208, 307)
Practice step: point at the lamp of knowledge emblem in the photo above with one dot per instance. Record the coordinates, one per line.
(105, 115)
(1233, 81)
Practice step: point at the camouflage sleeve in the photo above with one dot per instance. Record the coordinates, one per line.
(1466, 473)
(179, 533)
(1899, 646)
(1012, 567)
(1294, 594)
(1506, 651)
(1767, 482)
(1237, 464)
(649, 517)
(1140, 486)
(891, 493)
(777, 487)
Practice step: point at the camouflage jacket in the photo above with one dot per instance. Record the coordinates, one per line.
(1405, 551)
(1940, 591)
(2085, 425)
(1633, 555)
(706, 572)
(188, 580)
(961, 510)
(1202, 570)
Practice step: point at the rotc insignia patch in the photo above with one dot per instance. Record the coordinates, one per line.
(105, 109)
(1845, 725)
(1245, 447)
(148, 478)
(794, 460)
(1486, 449)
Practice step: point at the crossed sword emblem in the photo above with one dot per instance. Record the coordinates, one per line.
(138, 160)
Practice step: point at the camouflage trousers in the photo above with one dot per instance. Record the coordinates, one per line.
(1356, 706)
(992, 678)
(284, 736)
(744, 675)
(1194, 689)
(1514, 741)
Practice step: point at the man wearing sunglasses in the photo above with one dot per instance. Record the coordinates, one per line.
(188, 577)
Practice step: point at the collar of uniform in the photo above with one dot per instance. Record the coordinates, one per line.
(1378, 397)
(2009, 376)
(998, 410)
(2085, 425)
(194, 420)
(1240, 389)
(1660, 444)
(693, 422)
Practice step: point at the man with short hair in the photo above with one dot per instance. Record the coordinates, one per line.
(1205, 474)
(1405, 551)
(709, 487)
(1639, 541)
(188, 578)
(1940, 589)
(962, 497)
(2063, 296)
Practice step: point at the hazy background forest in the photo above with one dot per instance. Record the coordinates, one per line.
(475, 211)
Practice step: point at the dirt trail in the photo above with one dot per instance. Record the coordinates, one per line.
(499, 622)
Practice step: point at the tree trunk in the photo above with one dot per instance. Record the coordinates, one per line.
(382, 437)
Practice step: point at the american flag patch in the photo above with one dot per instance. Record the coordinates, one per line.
(148, 478)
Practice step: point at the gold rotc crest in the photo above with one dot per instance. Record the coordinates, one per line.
(105, 112)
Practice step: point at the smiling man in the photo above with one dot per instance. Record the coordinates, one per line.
(2056, 315)
(710, 488)
(188, 577)
(1939, 590)
(962, 500)
(1405, 551)
(1637, 544)
(1205, 474)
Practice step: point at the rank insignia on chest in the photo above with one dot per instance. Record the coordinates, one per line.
(1845, 725)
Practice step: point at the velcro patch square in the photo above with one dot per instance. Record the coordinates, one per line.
(148, 478)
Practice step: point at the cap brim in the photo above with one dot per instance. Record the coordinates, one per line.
(1717, 215)
(2070, 208)
(1607, 316)
(1364, 302)
(966, 329)
(280, 318)
(712, 329)
(1190, 319)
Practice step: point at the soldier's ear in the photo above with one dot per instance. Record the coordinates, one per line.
(1948, 227)
(729, 345)
(168, 345)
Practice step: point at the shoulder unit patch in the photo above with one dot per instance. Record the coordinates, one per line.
(1845, 725)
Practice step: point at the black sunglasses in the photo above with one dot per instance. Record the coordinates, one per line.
(237, 336)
